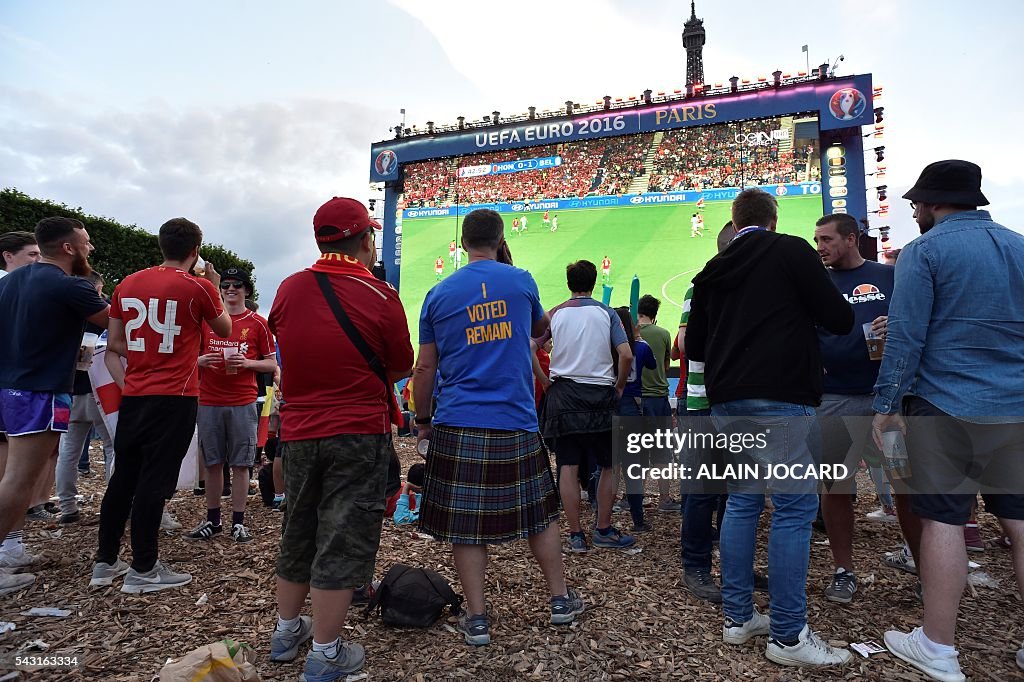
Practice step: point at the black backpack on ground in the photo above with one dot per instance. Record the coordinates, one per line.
(413, 597)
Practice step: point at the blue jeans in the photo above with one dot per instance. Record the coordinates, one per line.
(656, 407)
(790, 537)
(697, 529)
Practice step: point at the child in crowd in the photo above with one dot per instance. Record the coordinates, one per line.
(407, 510)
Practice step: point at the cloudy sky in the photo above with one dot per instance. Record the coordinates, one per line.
(245, 116)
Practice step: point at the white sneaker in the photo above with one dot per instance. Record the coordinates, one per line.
(909, 648)
(168, 522)
(1020, 659)
(14, 582)
(901, 559)
(757, 626)
(881, 516)
(11, 562)
(809, 651)
(158, 578)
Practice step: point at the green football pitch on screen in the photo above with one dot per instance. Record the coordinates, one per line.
(651, 242)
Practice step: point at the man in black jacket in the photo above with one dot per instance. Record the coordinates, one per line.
(753, 322)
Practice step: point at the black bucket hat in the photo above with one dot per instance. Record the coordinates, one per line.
(949, 182)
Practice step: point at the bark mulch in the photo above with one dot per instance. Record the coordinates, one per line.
(641, 624)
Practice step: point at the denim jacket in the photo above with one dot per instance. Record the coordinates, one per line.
(956, 322)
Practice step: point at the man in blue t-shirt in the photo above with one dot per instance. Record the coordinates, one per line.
(44, 308)
(850, 376)
(488, 479)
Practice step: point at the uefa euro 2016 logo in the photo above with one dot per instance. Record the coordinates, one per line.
(847, 104)
(386, 162)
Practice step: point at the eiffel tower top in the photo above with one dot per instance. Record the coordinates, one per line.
(694, 38)
(693, 20)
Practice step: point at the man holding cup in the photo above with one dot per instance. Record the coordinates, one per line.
(156, 319)
(227, 416)
(954, 365)
(851, 368)
(85, 416)
(50, 303)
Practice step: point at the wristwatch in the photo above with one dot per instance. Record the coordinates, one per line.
(422, 420)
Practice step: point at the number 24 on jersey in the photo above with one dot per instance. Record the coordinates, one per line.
(149, 315)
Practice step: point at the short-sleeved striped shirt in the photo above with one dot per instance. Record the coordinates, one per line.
(696, 396)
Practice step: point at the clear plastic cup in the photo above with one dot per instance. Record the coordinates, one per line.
(86, 351)
(876, 344)
(894, 452)
(230, 352)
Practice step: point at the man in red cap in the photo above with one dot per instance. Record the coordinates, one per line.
(344, 341)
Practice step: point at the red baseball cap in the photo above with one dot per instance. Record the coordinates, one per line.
(341, 218)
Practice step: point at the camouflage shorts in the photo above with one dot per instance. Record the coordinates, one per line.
(332, 522)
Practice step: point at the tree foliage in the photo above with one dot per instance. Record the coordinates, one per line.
(120, 249)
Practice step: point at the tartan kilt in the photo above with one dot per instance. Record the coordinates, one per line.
(486, 486)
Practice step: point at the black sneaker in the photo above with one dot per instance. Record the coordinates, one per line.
(702, 585)
(226, 493)
(40, 513)
(843, 587)
(760, 582)
(565, 609)
(199, 490)
(70, 517)
(475, 629)
(204, 531)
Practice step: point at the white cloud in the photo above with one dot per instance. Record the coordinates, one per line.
(251, 176)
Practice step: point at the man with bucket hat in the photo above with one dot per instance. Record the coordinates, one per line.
(954, 366)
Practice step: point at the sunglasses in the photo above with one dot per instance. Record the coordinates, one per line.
(231, 285)
(913, 206)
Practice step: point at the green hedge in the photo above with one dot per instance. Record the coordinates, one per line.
(120, 249)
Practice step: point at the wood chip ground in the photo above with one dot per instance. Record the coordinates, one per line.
(640, 623)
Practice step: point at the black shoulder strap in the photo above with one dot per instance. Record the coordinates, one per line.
(444, 590)
(381, 595)
(350, 329)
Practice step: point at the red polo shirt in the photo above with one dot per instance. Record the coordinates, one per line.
(327, 387)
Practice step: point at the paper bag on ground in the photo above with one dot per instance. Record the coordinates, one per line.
(225, 661)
